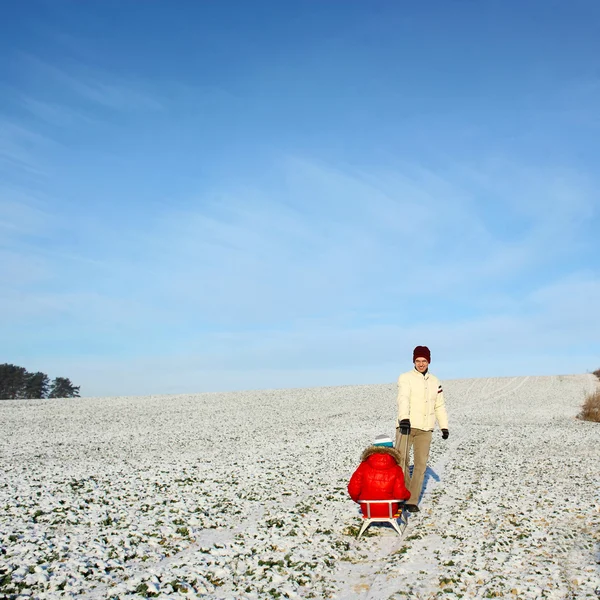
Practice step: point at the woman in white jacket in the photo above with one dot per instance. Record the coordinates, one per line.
(420, 405)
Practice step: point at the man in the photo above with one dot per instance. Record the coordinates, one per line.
(420, 404)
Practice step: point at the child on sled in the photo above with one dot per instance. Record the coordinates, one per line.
(379, 477)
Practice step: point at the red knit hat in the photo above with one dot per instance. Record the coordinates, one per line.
(422, 352)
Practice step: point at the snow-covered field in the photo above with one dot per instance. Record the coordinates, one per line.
(243, 495)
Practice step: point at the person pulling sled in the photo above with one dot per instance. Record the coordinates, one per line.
(420, 405)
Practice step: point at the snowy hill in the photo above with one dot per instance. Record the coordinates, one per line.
(243, 495)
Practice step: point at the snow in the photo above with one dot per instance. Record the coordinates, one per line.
(243, 495)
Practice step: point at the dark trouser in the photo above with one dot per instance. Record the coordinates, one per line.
(420, 441)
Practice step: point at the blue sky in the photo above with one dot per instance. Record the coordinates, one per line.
(201, 196)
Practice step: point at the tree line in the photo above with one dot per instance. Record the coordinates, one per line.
(17, 382)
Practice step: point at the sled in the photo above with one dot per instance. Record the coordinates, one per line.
(396, 519)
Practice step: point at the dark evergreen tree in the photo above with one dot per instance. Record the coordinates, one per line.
(16, 382)
(63, 388)
(37, 385)
(13, 381)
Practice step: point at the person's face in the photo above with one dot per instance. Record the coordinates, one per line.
(421, 364)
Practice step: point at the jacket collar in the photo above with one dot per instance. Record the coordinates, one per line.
(371, 450)
(425, 375)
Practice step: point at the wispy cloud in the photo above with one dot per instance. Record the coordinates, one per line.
(18, 271)
(324, 242)
(20, 148)
(328, 241)
(91, 310)
(94, 86)
(544, 334)
(54, 113)
(21, 214)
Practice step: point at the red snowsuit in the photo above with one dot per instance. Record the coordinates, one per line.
(378, 477)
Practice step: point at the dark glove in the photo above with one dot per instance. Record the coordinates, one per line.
(445, 434)
(404, 426)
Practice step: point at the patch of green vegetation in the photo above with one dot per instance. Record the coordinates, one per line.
(142, 590)
(214, 580)
(180, 586)
(275, 522)
(270, 563)
(38, 513)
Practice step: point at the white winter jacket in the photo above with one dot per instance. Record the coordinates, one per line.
(421, 399)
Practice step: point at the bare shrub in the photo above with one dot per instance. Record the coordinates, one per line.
(597, 373)
(590, 411)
